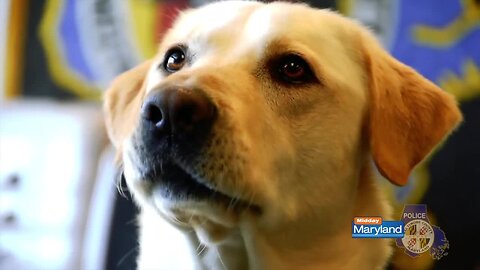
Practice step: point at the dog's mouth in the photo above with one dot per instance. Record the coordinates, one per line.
(174, 183)
(177, 184)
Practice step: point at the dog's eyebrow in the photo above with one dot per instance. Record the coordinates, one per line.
(278, 46)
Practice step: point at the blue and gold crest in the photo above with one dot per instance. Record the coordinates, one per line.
(420, 235)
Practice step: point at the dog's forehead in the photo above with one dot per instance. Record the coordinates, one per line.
(214, 18)
(233, 25)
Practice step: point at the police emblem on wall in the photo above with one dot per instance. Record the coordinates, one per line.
(89, 42)
(420, 236)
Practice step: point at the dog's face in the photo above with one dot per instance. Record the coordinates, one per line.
(266, 113)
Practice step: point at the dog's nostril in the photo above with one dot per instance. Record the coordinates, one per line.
(152, 113)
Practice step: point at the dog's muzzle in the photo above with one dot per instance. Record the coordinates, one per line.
(175, 125)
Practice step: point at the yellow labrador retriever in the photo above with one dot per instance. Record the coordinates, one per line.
(253, 131)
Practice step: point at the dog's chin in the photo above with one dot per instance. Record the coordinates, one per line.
(190, 201)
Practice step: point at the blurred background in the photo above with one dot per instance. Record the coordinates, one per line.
(59, 207)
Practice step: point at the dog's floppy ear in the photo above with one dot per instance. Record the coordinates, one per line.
(409, 115)
(122, 102)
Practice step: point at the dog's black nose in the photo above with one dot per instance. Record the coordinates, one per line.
(183, 113)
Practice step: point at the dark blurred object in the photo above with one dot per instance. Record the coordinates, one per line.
(123, 244)
(453, 193)
(331, 4)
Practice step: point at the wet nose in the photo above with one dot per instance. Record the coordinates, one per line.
(179, 112)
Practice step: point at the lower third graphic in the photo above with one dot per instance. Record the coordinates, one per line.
(376, 227)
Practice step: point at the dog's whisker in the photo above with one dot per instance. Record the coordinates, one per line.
(120, 179)
(132, 221)
(251, 198)
(176, 220)
(127, 254)
(220, 259)
(231, 203)
(190, 219)
(155, 170)
(161, 166)
(202, 250)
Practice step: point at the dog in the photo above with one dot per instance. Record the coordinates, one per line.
(256, 131)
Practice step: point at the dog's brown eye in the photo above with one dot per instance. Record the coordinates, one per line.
(174, 59)
(294, 69)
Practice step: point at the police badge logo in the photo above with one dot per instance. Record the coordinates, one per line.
(420, 236)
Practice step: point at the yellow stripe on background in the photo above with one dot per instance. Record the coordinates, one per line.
(346, 7)
(59, 70)
(143, 17)
(15, 52)
(445, 37)
(465, 86)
